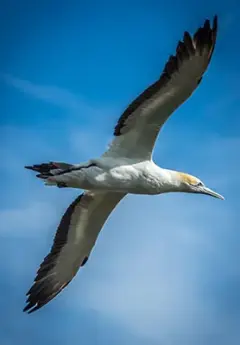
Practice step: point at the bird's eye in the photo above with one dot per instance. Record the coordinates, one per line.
(199, 184)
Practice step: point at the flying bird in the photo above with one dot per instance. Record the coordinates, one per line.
(125, 168)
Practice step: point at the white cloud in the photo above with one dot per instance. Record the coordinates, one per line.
(55, 95)
(62, 98)
(27, 221)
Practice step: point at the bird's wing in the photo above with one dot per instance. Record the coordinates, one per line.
(139, 125)
(74, 240)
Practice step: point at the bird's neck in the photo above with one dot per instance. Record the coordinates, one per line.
(168, 180)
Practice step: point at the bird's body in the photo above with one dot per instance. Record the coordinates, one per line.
(126, 167)
(122, 175)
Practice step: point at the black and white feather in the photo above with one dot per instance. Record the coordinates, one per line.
(139, 125)
(74, 240)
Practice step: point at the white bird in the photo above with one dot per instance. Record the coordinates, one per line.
(126, 167)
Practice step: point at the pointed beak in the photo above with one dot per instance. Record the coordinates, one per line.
(210, 192)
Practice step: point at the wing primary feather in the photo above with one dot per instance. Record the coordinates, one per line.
(74, 240)
(204, 39)
(50, 260)
(84, 261)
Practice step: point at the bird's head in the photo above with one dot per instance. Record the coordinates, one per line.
(192, 184)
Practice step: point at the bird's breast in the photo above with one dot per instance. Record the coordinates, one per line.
(135, 180)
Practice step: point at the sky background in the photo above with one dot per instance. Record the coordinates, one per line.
(166, 268)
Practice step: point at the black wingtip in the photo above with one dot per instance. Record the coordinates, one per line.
(207, 25)
(215, 22)
(207, 22)
(29, 309)
(25, 309)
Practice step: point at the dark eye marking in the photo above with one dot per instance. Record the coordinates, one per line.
(199, 184)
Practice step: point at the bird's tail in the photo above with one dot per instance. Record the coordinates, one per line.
(46, 170)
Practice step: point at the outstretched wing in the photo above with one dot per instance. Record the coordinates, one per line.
(139, 125)
(74, 240)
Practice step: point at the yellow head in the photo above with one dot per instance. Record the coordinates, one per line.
(192, 184)
(192, 180)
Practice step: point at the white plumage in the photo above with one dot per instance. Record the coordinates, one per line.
(126, 167)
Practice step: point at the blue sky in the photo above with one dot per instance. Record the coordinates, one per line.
(165, 269)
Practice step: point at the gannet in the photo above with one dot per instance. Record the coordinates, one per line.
(126, 167)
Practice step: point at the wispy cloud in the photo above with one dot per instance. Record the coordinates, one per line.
(52, 94)
(27, 221)
(72, 103)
